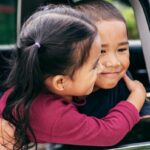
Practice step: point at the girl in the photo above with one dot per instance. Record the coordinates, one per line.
(57, 60)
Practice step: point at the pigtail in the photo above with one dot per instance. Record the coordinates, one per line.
(28, 81)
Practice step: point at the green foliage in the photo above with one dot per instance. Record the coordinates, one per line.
(8, 21)
(128, 14)
(7, 28)
(131, 23)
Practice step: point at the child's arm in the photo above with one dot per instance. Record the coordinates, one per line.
(71, 127)
(78, 129)
(107, 131)
(74, 128)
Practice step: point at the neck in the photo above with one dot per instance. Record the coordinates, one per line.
(95, 88)
(68, 99)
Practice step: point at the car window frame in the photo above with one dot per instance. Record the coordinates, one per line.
(144, 33)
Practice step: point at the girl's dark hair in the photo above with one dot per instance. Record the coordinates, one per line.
(52, 41)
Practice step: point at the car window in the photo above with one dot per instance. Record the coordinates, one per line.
(7, 21)
(128, 13)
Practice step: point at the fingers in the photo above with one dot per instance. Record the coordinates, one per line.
(7, 131)
(9, 128)
(126, 78)
(6, 147)
(7, 139)
(128, 81)
(3, 148)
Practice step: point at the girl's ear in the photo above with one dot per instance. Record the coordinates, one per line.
(56, 83)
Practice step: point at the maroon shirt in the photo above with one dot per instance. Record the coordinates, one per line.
(54, 121)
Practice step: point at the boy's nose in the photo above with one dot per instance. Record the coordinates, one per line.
(112, 61)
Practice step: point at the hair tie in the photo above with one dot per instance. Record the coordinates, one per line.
(46, 8)
(38, 44)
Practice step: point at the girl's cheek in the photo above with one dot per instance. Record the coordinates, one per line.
(100, 68)
(94, 75)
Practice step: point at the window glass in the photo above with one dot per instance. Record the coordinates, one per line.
(7, 21)
(127, 12)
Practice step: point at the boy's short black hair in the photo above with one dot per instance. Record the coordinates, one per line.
(97, 9)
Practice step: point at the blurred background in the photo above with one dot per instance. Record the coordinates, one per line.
(8, 19)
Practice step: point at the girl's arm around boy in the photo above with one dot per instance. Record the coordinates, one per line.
(67, 126)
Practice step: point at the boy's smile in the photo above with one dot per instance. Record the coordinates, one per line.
(110, 74)
(114, 53)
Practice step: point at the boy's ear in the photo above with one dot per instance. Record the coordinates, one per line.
(57, 82)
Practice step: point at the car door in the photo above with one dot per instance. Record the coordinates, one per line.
(140, 55)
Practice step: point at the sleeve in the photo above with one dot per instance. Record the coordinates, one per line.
(78, 129)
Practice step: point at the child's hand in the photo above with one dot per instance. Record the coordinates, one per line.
(7, 139)
(4, 148)
(138, 92)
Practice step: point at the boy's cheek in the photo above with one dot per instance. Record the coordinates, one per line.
(109, 83)
(106, 83)
(127, 64)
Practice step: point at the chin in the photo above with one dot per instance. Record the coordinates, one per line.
(107, 86)
(89, 92)
(83, 93)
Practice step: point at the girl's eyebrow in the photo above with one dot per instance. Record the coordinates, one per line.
(123, 43)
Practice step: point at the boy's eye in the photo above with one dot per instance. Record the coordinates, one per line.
(103, 51)
(122, 49)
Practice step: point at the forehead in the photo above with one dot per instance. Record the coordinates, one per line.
(97, 41)
(95, 49)
(112, 29)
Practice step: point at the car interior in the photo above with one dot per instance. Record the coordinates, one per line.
(139, 49)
